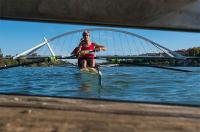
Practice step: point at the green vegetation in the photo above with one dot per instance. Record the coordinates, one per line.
(46, 62)
(193, 53)
(188, 62)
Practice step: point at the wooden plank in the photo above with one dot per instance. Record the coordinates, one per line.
(167, 14)
(27, 113)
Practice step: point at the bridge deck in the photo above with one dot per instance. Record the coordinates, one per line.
(26, 113)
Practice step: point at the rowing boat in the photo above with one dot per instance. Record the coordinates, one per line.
(93, 71)
(89, 70)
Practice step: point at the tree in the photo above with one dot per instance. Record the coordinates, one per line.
(1, 58)
(1, 54)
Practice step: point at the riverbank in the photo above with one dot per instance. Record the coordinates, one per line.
(46, 114)
(188, 62)
(38, 63)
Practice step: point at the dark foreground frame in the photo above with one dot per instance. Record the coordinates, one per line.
(169, 14)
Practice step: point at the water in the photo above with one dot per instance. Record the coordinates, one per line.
(118, 83)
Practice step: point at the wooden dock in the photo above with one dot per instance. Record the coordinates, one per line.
(46, 114)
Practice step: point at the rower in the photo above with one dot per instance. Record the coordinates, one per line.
(85, 52)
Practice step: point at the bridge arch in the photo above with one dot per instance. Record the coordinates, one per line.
(115, 36)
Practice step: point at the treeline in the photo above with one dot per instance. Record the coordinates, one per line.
(194, 52)
(191, 52)
(7, 61)
(47, 62)
(162, 62)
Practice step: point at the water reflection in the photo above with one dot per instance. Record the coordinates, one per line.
(89, 81)
(124, 83)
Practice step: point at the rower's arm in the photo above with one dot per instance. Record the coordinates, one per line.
(77, 50)
(100, 47)
(79, 47)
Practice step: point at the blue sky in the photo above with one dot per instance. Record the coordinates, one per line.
(17, 36)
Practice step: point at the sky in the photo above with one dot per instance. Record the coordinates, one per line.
(18, 36)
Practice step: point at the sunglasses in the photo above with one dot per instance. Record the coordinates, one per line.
(86, 35)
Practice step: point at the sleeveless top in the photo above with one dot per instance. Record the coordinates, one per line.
(88, 48)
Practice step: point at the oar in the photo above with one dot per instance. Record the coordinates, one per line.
(156, 66)
(99, 75)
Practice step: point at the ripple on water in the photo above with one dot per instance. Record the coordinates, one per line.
(121, 83)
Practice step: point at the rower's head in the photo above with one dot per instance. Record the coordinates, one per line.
(86, 35)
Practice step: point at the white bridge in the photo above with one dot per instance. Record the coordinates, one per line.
(119, 43)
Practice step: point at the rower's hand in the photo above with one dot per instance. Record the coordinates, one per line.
(104, 48)
(83, 52)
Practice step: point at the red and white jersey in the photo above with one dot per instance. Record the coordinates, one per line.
(91, 47)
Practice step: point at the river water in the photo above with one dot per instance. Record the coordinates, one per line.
(118, 83)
